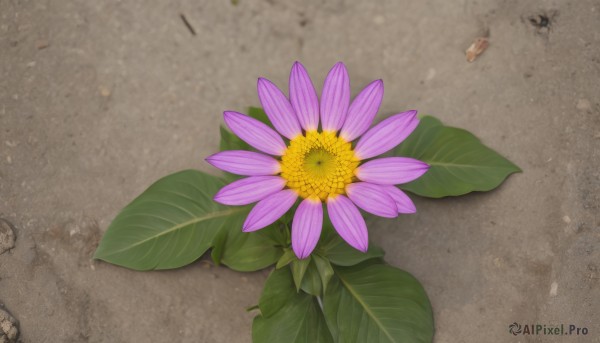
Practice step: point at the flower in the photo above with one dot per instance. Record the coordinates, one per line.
(319, 165)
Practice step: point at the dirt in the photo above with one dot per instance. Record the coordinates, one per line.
(100, 99)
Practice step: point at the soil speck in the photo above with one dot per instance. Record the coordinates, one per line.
(584, 105)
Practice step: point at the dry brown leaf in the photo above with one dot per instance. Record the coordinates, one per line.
(477, 48)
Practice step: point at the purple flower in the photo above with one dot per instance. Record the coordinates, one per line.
(319, 166)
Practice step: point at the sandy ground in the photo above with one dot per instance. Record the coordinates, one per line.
(99, 99)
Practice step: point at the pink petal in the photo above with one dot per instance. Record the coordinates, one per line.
(348, 222)
(269, 209)
(249, 190)
(306, 227)
(255, 133)
(304, 98)
(243, 162)
(335, 98)
(278, 109)
(372, 198)
(362, 111)
(386, 135)
(403, 202)
(391, 170)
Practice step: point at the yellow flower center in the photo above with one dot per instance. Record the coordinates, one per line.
(318, 164)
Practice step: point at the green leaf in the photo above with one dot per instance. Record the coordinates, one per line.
(298, 269)
(246, 252)
(287, 315)
(325, 270)
(218, 244)
(176, 220)
(169, 225)
(311, 282)
(287, 257)
(377, 303)
(340, 253)
(317, 276)
(459, 162)
(279, 288)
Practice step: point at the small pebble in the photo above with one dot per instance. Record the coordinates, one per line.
(7, 236)
(105, 92)
(430, 74)
(553, 289)
(566, 219)
(9, 331)
(42, 44)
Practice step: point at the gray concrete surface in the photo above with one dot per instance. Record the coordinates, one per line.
(99, 99)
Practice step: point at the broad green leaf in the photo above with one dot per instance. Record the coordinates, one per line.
(279, 288)
(459, 162)
(340, 253)
(288, 316)
(169, 225)
(301, 321)
(298, 269)
(246, 252)
(377, 303)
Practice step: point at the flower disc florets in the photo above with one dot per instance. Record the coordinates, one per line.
(318, 164)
